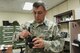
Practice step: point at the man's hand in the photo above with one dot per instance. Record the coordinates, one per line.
(24, 34)
(38, 43)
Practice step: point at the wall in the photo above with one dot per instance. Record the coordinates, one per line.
(65, 6)
(20, 17)
(73, 4)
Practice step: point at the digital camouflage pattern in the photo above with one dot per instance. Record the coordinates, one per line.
(54, 43)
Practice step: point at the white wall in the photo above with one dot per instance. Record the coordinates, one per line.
(73, 4)
(21, 18)
(65, 6)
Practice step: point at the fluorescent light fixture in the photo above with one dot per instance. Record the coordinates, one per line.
(28, 6)
(40, 1)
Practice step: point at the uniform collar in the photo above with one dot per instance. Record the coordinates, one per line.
(43, 23)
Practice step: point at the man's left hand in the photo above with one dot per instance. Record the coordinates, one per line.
(38, 43)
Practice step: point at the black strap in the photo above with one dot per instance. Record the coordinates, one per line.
(29, 29)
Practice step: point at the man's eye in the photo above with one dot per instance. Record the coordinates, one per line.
(39, 12)
(34, 12)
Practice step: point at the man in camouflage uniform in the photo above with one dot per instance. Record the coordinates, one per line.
(47, 38)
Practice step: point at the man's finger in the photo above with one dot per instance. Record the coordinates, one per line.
(36, 42)
(36, 46)
(35, 39)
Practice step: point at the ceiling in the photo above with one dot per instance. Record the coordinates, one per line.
(17, 5)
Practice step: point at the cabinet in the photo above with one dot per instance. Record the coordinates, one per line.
(21, 43)
(69, 22)
(65, 16)
(75, 30)
(1, 33)
(7, 34)
(63, 20)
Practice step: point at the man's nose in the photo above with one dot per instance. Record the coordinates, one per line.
(36, 15)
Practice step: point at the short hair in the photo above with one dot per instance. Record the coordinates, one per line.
(38, 4)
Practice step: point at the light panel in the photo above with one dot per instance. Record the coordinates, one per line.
(28, 6)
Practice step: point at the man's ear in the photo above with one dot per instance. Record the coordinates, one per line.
(45, 12)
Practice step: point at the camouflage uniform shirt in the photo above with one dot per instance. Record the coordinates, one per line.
(52, 40)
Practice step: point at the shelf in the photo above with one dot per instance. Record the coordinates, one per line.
(65, 17)
(63, 22)
(78, 20)
(17, 32)
(67, 39)
(8, 26)
(20, 44)
(7, 36)
(8, 41)
(74, 44)
(7, 32)
(17, 26)
(64, 13)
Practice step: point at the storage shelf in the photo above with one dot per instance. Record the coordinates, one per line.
(8, 41)
(20, 44)
(74, 44)
(7, 26)
(7, 36)
(7, 32)
(78, 20)
(65, 17)
(64, 13)
(67, 39)
(63, 22)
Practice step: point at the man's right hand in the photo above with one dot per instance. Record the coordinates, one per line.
(24, 34)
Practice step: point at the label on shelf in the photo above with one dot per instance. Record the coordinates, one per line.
(78, 37)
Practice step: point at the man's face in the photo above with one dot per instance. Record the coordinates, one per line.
(39, 14)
